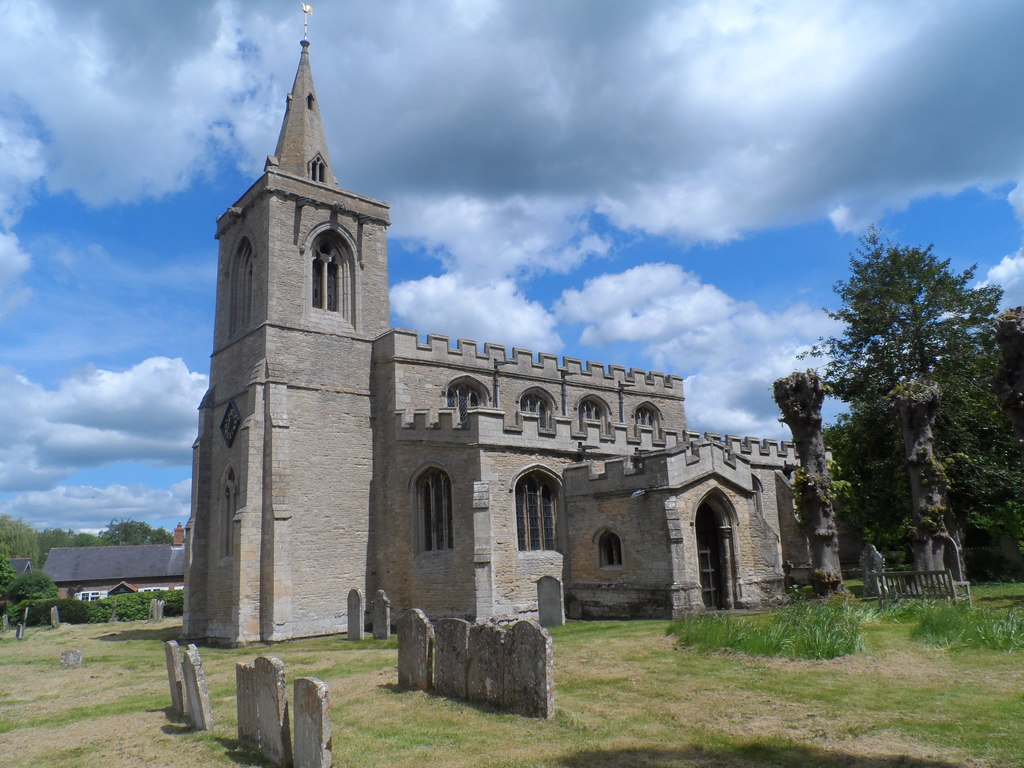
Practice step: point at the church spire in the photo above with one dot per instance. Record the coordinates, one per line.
(301, 147)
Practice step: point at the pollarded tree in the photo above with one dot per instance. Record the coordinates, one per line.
(799, 397)
(1009, 379)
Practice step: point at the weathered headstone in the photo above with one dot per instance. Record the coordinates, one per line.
(550, 602)
(156, 609)
(72, 658)
(245, 700)
(24, 617)
(172, 656)
(19, 632)
(5, 624)
(529, 671)
(113, 612)
(356, 610)
(313, 726)
(54, 616)
(415, 651)
(871, 562)
(451, 656)
(381, 616)
(197, 698)
(485, 674)
(272, 709)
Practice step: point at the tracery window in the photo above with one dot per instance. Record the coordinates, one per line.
(593, 409)
(332, 278)
(228, 513)
(645, 416)
(240, 290)
(536, 499)
(317, 169)
(609, 548)
(534, 402)
(434, 493)
(463, 396)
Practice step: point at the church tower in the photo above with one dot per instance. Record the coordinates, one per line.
(280, 505)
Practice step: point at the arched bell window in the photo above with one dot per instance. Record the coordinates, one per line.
(333, 280)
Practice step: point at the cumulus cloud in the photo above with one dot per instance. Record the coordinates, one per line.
(1009, 274)
(95, 417)
(14, 262)
(89, 508)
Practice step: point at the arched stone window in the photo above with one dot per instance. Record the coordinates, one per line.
(240, 290)
(434, 496)
(539, 403)
(758, 496)
(609, 549)
(332, 278)
(463, 395)
(536, 504)
(230, 503)
(317, 166)
(592, 408)
(646, 416)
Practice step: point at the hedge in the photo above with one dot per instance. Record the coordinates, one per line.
(130, 607)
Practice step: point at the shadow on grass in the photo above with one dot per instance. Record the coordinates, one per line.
(165, 633)
(753, 755)
(1001, 601)
(238, 754)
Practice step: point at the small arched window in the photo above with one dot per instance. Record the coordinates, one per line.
(317, 168)
(434, 493)
(240, 310)
(332, 278)
(593, 409)
(536, 501)
(645, 416)
(230, 501)
(609, 548)
(535, 402)
(463, 395)
(758, 496)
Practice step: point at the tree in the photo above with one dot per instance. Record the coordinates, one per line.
(33, 585)
(7, 574)
(20, 538)
(48, 538)
(799, 397)
(121, 532)
(907, 315)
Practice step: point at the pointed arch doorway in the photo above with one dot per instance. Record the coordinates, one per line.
(713, 558)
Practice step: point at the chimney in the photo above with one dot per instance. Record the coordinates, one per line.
(179, 536)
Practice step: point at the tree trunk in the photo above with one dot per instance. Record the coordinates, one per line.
(915, 404)
(799, 397)
(1009, 380)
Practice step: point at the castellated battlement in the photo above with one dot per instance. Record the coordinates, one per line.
(758, 450)
(488, 426)
(403, 344)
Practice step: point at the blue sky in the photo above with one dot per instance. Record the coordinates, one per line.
(666, 185)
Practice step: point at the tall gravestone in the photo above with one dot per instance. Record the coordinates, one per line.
(196, 695)
(172, 657)
(313, 742)
(485, 668)
(272, 709)
(54, 616)
(5, 623)
(529, 687)
(245, 705)
(415, 651)
(19, 632)
(356, 611)
(550, 602)
(381, 616)
(451, 656)
(871, 563)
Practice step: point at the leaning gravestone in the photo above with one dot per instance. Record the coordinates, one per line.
(550, 602)
(245, 700)
(485, 668)
(871, 562)
(356, 609)
(313, 727)
(451, 655)
(381, 616)
(54, 616)
(197, 698)
(529, 671)
(172, 656)
(272, 709)
(19, 632)
(72, 658)
(415, 651)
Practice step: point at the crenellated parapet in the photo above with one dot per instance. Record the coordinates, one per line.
(761, 451)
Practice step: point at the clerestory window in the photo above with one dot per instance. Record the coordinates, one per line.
(645, 416)
(434, 493)
(536, 500)
(534, 402)
(463, 396)
(593, 409)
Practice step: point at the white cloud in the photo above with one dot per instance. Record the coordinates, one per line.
(95, 417)
(14, 262)
(88, 508)
(1009, 273)
(495, 312)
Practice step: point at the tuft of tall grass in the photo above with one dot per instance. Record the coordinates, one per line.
(961, 626)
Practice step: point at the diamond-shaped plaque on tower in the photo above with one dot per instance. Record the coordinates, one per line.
(230, 423)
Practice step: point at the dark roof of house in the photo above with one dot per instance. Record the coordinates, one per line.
(67, 565)
(21, 565)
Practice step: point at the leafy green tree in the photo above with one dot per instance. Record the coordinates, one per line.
(907, 315)
(20, 538)
(56, 537)
(7, 574)
(122, 532)
(33, 585)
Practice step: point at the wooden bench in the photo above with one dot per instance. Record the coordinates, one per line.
(920, 585)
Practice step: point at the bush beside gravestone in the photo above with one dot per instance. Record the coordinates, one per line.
(130, 607)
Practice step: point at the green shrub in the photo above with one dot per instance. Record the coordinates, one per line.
(34, 585)
(71, 611)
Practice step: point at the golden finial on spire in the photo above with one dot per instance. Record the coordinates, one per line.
(307, 9)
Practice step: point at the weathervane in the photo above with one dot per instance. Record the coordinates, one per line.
(306, 10)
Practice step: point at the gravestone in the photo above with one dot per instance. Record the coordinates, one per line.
(24, 617)
(245, 701)
(5, 624)
(54, 616)
(381, 616)
(451, 656)
(415, 651)
(156, 610)
(172, 656)
(197, 697)
(871, 562)
(550, 602)
(312, 703)
(72, 658)
(485, 674)
(113, 612)
(529, 688)
(19, 632)
(356, 611)
(272, 710)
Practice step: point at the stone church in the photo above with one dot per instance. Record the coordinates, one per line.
(335, 452)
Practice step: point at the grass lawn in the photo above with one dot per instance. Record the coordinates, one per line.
(625, 695)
